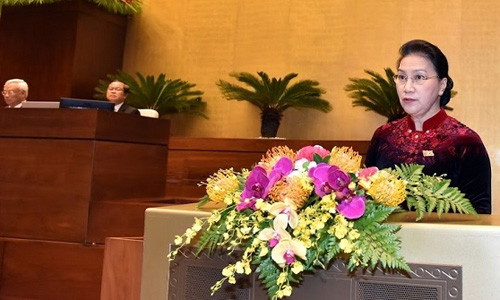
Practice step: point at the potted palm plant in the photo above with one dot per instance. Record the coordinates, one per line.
(378, 94)
(166, 96)
(274, 95)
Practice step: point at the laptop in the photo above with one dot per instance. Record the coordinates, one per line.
(40, 104)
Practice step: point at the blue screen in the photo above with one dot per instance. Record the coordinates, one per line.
(85, 104)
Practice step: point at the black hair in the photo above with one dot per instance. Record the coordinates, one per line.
(126, 89)
(436, 57)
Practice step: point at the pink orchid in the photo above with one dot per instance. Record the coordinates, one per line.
(352, 208)
(319, 175)
(256, 187)
(282, 168)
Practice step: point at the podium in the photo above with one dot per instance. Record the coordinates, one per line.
(438, 247)
(69, 178)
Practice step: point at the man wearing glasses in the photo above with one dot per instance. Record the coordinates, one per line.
(15, 92)
(116, 93)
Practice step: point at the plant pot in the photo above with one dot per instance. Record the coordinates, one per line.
(270, 122)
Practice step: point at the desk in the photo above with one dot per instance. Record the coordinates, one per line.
(55, 163)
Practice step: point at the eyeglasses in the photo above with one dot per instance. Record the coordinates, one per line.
(118, 89)
(416, 79)
(9, 92)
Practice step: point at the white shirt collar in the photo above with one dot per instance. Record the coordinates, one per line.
(18, 105)
(117, 106)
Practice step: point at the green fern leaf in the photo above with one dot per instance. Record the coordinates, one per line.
(427, 193)
(378, 242)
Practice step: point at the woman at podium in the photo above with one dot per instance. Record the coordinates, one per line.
(427, 135)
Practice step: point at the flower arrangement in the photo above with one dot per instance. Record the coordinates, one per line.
(122, 7)
(294, 212)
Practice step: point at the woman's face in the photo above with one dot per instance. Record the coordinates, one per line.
(420, 101)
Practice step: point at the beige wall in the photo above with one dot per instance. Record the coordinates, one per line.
(202, 41)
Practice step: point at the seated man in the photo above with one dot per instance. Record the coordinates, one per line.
(116, 93)
(15, 92)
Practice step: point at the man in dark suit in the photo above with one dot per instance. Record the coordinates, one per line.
(116, 93)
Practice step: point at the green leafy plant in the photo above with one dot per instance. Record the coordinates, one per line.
(274, 95)
(378, 94)
(431, 193)
(122, 7)
(167, 96)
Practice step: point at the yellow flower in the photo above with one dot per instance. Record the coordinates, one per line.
(387, 189)
(341, 227)
(328, 203)
(238, 267)
(287, 291)
(345, 158)
(220, 184)
(190, 233)
(178, 240)
(263, 250)
(262, 205)
(354, 234)
(346, 245)
(274, 154)
(297, 267)
(228, 270)
(282, 278)
(197, 224)
(214, 217)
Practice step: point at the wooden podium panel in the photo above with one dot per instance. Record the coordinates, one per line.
(69, 178)
(55, 162)
(83, 124)
(128, 171)
(34, 270)
(44, 188)
(121, 275)
(117, 219)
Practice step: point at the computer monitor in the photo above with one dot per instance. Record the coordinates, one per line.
(86, 104)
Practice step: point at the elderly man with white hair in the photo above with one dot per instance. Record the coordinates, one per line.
(15, 92)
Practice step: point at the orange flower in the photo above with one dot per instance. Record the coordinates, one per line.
(274, 154)
(345, 158)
